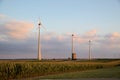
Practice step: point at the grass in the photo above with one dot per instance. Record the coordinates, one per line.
(30, 68)
(101, 73)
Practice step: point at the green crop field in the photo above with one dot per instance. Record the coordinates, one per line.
(16, 69)
(113, 72)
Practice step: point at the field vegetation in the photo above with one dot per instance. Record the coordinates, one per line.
(16, 69)
(109, 73)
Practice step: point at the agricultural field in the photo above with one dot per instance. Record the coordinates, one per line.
(18, 69)
(111, 73)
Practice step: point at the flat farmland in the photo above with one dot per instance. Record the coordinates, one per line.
(18, 69)
(99, 74)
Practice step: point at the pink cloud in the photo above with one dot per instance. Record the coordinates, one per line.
(13, 29)
(48, 35)
(18, 29)
(91, 33)
(60, 37)
(82, 39)
(114, 35)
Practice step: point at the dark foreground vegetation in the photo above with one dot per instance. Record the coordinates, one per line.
(16, 69)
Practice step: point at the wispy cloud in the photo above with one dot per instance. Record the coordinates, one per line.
(90, 35)
(59, 46)
(91, 32)
(18, 29)
(15, 29)
(114, 35)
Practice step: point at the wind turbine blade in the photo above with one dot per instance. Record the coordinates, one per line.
(44, 27)
(34, 29)
(41, 25)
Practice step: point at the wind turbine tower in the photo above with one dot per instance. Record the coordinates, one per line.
(73, 53)
(39, 44)
(89, 49)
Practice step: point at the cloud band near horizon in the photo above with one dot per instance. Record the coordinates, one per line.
(17, 40)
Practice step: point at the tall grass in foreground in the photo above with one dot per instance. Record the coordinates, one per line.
(13, 70)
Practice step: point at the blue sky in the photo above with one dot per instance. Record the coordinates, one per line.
(67, 15)
(61, 18)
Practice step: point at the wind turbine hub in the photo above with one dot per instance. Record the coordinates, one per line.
(39, 24)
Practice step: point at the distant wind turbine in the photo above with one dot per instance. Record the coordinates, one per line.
(72, 43)
(89, 49)
(73, 53)
(39, 44)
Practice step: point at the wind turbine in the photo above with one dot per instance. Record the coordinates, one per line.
(73, 53)
(89, 49)
(39, 44)
(72, 44)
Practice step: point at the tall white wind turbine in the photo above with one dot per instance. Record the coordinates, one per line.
(39, 43)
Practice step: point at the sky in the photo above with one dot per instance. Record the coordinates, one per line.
(95, 20)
